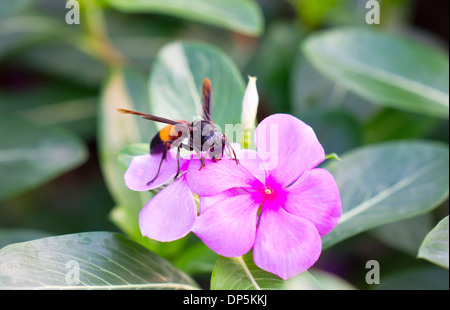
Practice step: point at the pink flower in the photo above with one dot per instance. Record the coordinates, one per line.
(280, 204)
(171, 213)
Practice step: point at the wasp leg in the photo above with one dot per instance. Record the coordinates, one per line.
(202, 159)
(224, 143)
(202, 162)
(234, 154)
(186, 147)
(178, 161)
(231, 150)
(164, 155)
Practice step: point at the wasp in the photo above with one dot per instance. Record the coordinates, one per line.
(202, 135)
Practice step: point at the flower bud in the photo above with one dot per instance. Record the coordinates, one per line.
(250, 105)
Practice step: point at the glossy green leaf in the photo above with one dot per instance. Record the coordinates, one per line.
(241, 273)
(31, 155)
(383, 68)
(243, 16)
(435, 245)
(176, 79)
(94, 260)
(388, 182)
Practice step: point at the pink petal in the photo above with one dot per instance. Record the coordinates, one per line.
(288, 147)
(235, 146)
(171, 214)
(285, 244)
(145, 167)
(219, 176)
(208, 201)
(315, 197)
(228, 227)
(251, 161)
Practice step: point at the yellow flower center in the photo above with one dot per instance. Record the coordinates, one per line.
(268, 191)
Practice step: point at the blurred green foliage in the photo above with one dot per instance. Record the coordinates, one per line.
(60, 85)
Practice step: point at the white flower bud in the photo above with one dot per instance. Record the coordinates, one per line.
(250, 105)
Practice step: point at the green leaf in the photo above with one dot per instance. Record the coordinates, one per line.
(196, 258)
(384, 68)
(279, 45)
(329, 281)
(392, 124)
(435, 245)
(406, 235)
(313, 12)
(311, 93)
(243, 16)
(93, 260)
(128, 153)
(176, 79)
(338, 131)
(54, 102)
(126, 217)
(333, 156)
(67, 59)
(31, 155)
(22, 31)
(332, 13)
(125, 88)
(241, 273)
(428, 278)
(8, 7)
(14, 235)
(388, 182)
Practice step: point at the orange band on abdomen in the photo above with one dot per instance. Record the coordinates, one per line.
(164, 134)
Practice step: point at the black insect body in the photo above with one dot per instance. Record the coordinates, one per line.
(202, 135)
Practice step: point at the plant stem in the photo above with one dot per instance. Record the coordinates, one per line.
(97, 36)
(247, 140)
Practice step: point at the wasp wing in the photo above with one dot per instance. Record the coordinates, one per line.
(207, 100)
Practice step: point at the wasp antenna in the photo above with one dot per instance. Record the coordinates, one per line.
(207, 100)
(149, 117)
(206, 86)
(125, 111)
